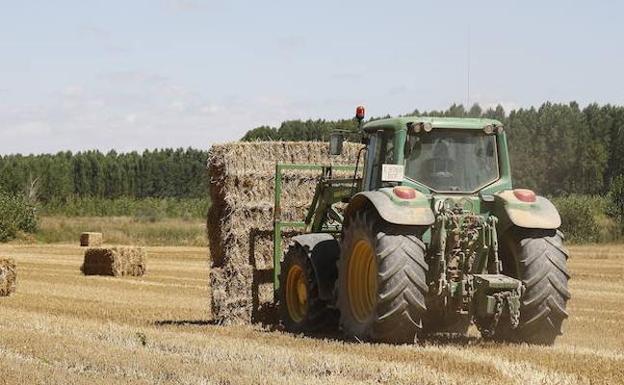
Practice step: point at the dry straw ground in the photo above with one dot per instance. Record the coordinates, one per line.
(63, 328)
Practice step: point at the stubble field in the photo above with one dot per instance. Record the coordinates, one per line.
(63, 328)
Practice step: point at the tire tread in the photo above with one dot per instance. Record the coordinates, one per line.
(401, 281)
(543, 270)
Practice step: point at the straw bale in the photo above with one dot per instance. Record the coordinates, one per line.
(240, 220)
(244, 158)
(241, 295)
(91, 239)
(232, 301)
(237, 233)
(116, 261)
(8, 276)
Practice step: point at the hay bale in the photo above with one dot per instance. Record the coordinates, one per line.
(8, 276)
(231, 294)
(91, 239)
(241, 294)
(240, 220)
(116, 261)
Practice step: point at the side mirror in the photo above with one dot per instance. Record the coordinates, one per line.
(335, 143)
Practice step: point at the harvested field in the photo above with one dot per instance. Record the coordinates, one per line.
(61, 327)
(116, 261)
(241, 217)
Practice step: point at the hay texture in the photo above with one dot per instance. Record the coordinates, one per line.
(240, 220)
(91, 239)
(116, 261)
(8, 276)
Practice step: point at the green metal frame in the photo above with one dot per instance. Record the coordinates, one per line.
(328, 192)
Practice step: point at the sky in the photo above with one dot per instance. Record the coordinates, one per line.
(130, 75)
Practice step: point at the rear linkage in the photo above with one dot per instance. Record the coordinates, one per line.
(466, 270)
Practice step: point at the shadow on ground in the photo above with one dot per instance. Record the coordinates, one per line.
(331, 332)
(185, 323)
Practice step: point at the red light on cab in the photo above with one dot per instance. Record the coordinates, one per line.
(359, 112)
(404, 192)
(525, 195)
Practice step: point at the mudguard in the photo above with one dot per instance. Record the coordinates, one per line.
(541, 214)
(411, 212)
(323, 252)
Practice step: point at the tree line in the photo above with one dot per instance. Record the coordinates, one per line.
(166, 173)
(556, 149)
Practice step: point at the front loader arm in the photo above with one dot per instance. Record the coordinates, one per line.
(322, 211)
(328, 192)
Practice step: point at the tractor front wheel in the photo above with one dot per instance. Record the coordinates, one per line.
(301, 310)
(381, 280)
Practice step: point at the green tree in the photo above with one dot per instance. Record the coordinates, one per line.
(616, 199)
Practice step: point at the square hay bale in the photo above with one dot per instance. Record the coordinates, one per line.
(231, 296)
(116, 261)
(241, 294)
(8, 276)
(240, 220)
(91, 239)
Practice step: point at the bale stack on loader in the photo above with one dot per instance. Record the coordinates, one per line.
(241, 217)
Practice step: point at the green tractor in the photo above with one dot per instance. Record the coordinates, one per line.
(433, 238)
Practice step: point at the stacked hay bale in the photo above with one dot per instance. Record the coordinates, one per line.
(116, 261)
(8, 276)
(240, 220)
(91, 239)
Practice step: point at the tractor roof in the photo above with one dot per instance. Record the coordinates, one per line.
(460, 123)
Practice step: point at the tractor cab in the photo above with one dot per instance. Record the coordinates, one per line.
(437, 155)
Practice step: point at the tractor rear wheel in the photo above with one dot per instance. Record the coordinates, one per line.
(538, 258)
(301, 310)
(381, 280)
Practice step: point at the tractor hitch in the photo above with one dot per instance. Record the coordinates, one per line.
(495, 295)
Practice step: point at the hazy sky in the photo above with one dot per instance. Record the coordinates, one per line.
(166, 73)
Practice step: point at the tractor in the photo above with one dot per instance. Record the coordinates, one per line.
(429, 236)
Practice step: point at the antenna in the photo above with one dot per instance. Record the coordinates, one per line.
(468, 74)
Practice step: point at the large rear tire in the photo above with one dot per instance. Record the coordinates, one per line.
(539, 259)
(301, 309)
(381, 280)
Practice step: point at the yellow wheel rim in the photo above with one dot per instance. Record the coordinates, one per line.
(362, 280)
(296, 293)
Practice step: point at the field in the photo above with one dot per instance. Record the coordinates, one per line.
(61, 327)
(122, 230)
